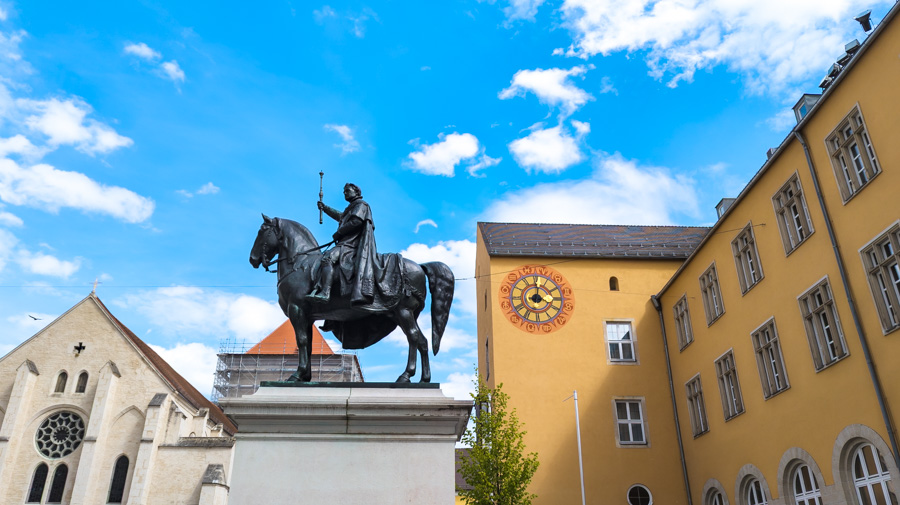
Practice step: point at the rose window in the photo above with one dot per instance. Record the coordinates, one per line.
(59, 434)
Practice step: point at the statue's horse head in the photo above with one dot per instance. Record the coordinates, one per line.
(266, 245)
(280, 237)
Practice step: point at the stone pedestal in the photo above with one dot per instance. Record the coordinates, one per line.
(350, 443)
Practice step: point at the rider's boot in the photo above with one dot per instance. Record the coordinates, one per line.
(322, 291)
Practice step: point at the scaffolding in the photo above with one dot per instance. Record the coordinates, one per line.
(239, 372)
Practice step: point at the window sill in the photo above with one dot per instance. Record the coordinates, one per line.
(623, 362)
(750, 287)
(734, 416)
(698, 435)
(788, 252)
(888, 331)
(776, 393)
(829, 365)
(685, 346)
(713, 320)
(861, 188)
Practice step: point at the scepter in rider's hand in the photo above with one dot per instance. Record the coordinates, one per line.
(321, 174)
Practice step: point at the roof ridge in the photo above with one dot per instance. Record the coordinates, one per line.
(176, 381)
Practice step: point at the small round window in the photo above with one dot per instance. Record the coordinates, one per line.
(639, 495)
(59, 435)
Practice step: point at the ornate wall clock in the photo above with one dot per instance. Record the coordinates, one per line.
(536, 299)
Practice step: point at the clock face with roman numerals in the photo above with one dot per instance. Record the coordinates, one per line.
(536, 299)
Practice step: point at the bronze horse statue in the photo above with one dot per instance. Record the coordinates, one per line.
(355, 326)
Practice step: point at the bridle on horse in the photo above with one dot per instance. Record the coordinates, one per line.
(266, 263)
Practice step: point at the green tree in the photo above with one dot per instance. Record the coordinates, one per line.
(496, 468)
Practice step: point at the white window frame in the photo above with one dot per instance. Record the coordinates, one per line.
(729, 385)
(746, 259)
(881, 260)
(823, 326)
(756, 494)
(696, 406)
(641, 486)
(630, 402)
(792, 214)
(614, 341)
(711, 294)
(852, 154)
(870, 482)
(683, 329)
(805, 493)
(769, 359)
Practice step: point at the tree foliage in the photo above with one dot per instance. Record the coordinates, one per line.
(496, 468)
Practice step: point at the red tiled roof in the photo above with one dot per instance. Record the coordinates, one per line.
(282, 341)
(591, 241)
(175, 380)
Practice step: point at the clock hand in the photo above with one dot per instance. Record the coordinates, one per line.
(547, 298)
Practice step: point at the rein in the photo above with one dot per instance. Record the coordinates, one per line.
(301, 253)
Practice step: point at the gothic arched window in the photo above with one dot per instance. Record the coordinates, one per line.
(117, 486)
(58, 485)
(38, 481)
(61, 382)
(82, 383)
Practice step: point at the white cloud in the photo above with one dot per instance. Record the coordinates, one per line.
(11, 220)
(782, 121)
(773, 43)
(47, 188)
(549, 150)
(606, 86)
(459, 385)
(552, 87)
(429, 222)
(18, 144)
(459, 255)
(349, 143)
(484, 161)
(322, 14)
(44, 264)
(359, 21)
(208, 189)
(442, 157)
(65, 122)
(619, 192)
(172, 71)
(522, 9)
(7, 242)
(195, 362)
(189, 310)
(143, 51)
(3, 14)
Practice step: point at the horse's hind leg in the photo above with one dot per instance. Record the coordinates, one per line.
(406, 318)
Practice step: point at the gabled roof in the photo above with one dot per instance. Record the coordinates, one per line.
(282, 341)
(591, 241)
(184, 388)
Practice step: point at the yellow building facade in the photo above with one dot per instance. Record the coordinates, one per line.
(779, 325)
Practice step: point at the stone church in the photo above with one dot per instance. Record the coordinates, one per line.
(90, 414)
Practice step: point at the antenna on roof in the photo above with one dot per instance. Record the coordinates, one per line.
(864, 19)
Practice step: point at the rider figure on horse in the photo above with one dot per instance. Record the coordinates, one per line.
(353, 254)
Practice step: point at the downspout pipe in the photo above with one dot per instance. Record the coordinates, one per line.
(864, 343)
(662, 327)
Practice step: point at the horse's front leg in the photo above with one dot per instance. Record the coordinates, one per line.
(407, 321)
(302, 334)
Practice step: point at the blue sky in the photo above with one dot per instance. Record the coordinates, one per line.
(139, 141)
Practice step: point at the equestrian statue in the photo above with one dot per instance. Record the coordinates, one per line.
(360, 294)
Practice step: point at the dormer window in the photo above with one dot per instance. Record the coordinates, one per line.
(803, 106)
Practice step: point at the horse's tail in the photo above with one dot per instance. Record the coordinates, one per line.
(440, 284)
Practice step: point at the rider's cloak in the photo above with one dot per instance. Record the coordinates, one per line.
(356, 239)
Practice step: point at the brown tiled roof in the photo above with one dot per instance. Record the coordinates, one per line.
(175, 380)
(282, 341)
(591, 241)
(460, 481)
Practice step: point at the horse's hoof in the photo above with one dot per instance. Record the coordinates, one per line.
(425, 380)
(293, 378)
(404, 378)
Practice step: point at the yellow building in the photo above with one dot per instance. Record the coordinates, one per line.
(779, 325)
